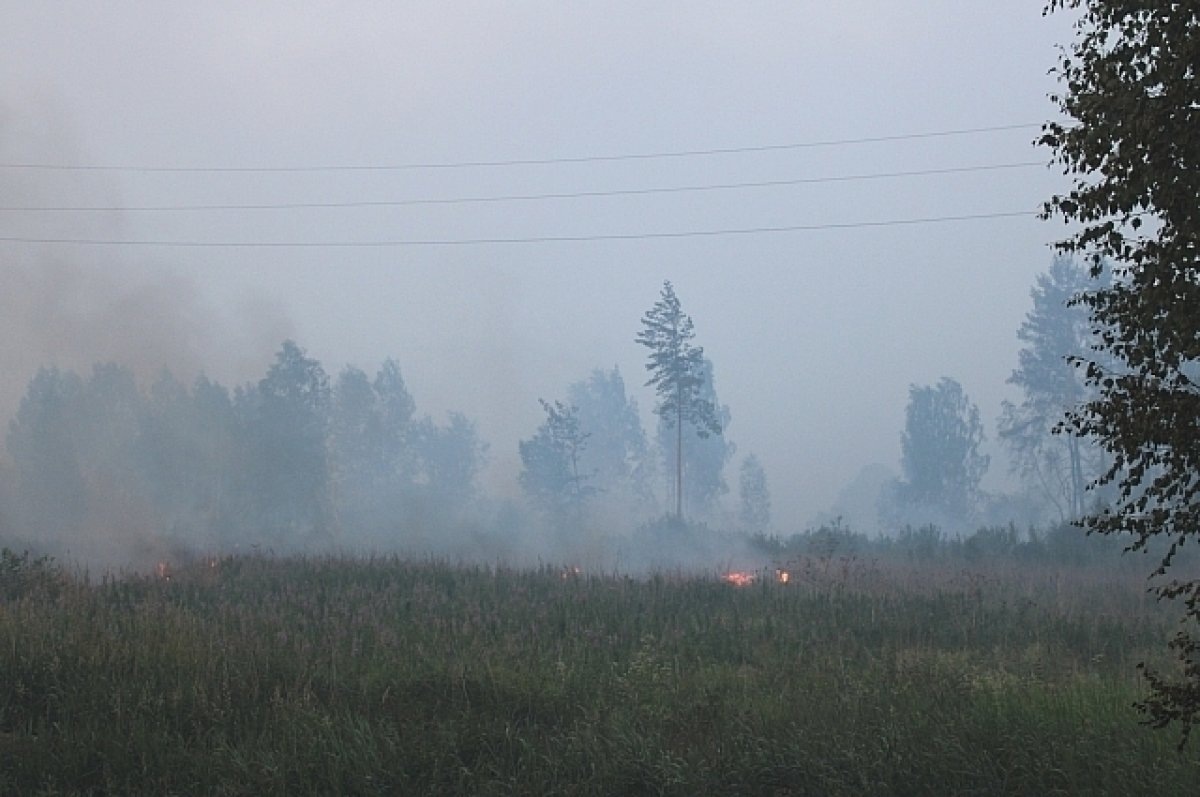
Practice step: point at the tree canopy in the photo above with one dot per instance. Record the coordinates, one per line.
(704, 460)
(286, 462)
(616, 457)
(677, 374)
(551, 472)
(1057, 467)
(755, 510)
(940, 451)
(1128, 139)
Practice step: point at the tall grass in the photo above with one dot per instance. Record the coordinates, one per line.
(255, 675)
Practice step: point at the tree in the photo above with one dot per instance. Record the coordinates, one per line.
(356, 431)
(395, 407)
(1059, 466)
(43, 441)
(615, 457)
(940, 450)
(551, 474)
(372, 460)
(705, 459)
(1132, 108)
(289, 423)
(89, 465)
(370, 427)
(223, 452)
(677, 374)
(448, 460)
(190, 445)
(756, 498)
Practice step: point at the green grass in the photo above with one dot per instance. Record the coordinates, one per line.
(293, 676)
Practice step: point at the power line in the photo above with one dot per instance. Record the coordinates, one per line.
(525, 240)
(525, 161)
(532, 197)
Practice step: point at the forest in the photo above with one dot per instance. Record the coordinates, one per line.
(106, 470)
(319, 578)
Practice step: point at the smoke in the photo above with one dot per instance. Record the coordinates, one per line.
(72, 306)
(64, 312)
(70, 314)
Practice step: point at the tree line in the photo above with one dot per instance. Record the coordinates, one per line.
(298, 458)
(301, 460)
(942, 461)
(1109, 376)
(1116, 374)
(290, 461)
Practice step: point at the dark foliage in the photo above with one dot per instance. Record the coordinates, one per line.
(1132, 108)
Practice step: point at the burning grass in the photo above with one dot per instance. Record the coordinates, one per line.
(739, 578)
(255, 675)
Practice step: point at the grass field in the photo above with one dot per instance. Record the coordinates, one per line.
(256, 675)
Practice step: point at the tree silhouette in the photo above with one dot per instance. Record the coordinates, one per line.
(677, 374)
(1132, 109)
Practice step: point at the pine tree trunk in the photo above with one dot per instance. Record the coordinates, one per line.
(679, 459)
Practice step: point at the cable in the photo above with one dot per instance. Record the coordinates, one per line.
(529, 240)
(530, 197)
(525, 161)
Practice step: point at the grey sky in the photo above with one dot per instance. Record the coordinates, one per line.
(815, 335)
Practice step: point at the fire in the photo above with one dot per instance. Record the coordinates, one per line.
(738, 578)
(744, 578)
(571, 572)
(163, 570)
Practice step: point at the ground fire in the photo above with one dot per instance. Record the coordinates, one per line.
(744, 578)
(739, 578)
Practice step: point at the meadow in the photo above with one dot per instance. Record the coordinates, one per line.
(260, 676)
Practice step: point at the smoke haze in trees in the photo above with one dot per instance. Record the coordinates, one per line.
(814, 336)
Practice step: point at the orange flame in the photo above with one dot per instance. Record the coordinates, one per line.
(163, 570)
(738, 578)
(782, 576)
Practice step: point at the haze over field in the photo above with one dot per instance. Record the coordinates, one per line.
(815, 335)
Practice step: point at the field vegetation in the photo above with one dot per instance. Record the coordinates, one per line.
(942, 669)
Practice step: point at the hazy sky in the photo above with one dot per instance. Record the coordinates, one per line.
(815, 335)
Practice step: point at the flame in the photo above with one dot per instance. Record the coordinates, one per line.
(163, 570)
(571, 572)
(744, 578)
(738, 578)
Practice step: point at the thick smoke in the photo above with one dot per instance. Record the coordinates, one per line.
(72, 307)
(122, 459)
(73, 316)
(65, 312)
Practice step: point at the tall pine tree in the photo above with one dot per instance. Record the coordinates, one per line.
(677, 372)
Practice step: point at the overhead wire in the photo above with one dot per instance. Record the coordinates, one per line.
(528, 197)
(466, 164)
(538, 239)
(535, 239)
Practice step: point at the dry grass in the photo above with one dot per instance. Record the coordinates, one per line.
(255, 675)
